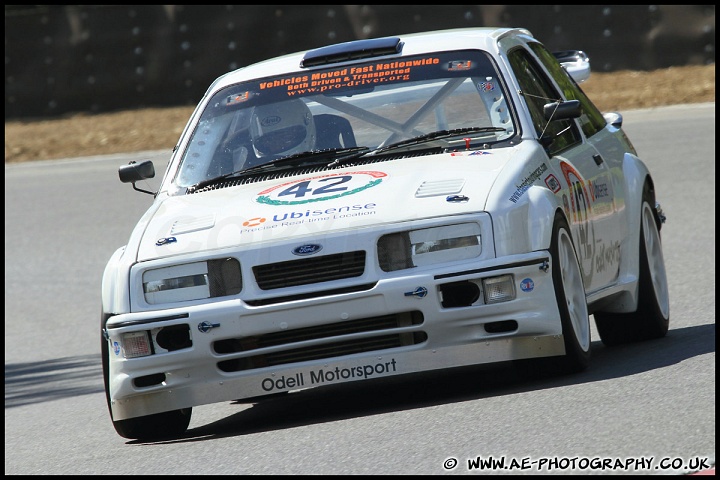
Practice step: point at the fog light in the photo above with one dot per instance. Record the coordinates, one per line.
(499, 289)
(136, 344)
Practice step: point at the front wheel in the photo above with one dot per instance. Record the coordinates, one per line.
(572, 306)
(571, 300)
(157, 426)
(148, 427)
(652, 317)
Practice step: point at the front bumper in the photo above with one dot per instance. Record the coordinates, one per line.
(235, 351)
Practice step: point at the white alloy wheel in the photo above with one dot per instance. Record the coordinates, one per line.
(572, 285)
(656, 263)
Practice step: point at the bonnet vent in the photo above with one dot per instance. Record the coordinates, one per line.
(432, 188)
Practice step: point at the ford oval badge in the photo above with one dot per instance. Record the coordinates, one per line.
(308, 249)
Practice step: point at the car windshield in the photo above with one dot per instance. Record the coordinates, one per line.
(372, 104)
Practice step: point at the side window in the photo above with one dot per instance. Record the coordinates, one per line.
(592, 120)
(537, 91)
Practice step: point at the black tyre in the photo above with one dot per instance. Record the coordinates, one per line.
(153, 427)
(148, 427)
(572, 305)
(652, 317)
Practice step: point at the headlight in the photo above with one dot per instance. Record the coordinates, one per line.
(429, 246)
(192, 281)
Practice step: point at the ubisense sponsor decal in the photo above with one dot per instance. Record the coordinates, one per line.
(298, 217)
(320, 188)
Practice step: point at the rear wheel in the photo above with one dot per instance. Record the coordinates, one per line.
(652, 317)
(159, 425)
(572, 306)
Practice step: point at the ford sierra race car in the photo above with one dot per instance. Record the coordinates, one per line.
(377, 208)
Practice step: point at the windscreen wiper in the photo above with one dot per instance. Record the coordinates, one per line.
(438, 135)
(303, 159)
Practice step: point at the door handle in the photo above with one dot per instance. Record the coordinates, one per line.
(598, 159)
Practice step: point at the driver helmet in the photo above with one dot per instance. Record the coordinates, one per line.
(282, 129)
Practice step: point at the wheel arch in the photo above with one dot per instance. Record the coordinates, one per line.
(115, 288)
(636, 175)
(542, 207)
(527, 226)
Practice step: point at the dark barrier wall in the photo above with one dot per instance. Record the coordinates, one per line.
(92, 58)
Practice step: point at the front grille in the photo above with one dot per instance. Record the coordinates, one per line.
(335, 345)
(310, 270)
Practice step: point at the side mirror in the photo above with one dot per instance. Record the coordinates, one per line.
(576, 63)
(614, 119)
(562, 110)
(134, 172)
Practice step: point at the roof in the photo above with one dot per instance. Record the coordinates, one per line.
(413, 43)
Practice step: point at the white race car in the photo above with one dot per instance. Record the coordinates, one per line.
(377, 208)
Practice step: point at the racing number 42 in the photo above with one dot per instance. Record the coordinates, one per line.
(304, 188)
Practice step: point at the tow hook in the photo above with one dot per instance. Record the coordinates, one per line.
(659, 213)
(205, 327)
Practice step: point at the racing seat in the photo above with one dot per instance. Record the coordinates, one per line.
(333, 131)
